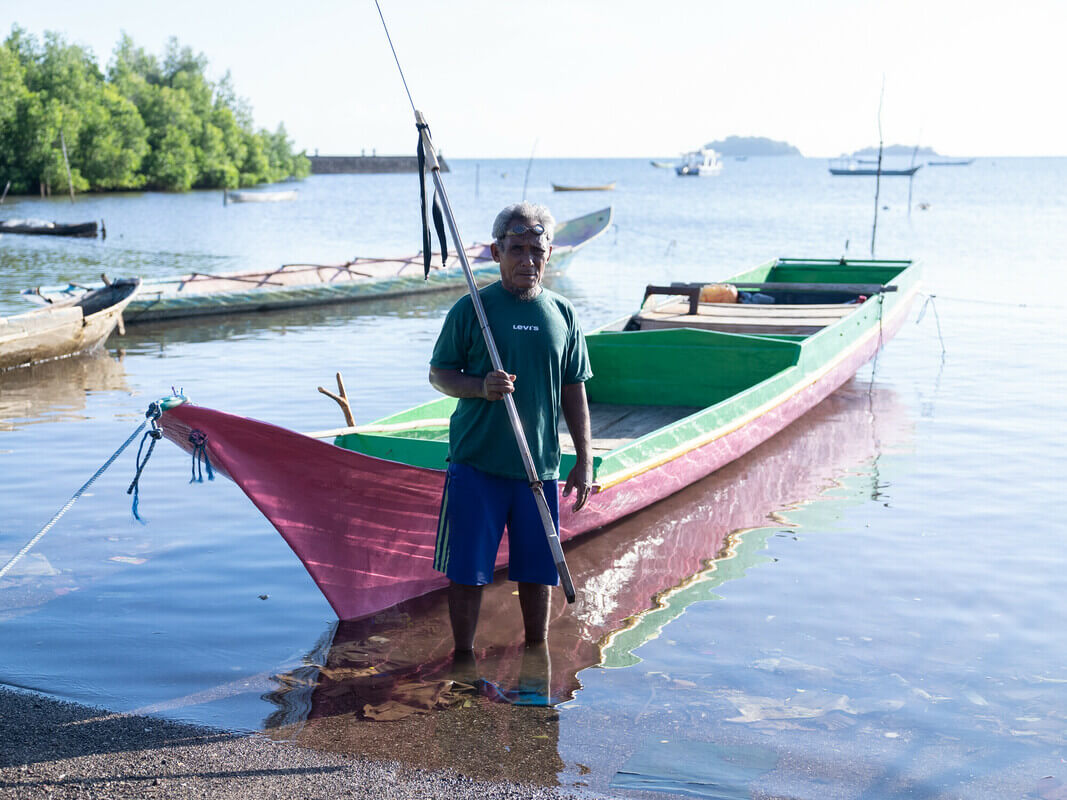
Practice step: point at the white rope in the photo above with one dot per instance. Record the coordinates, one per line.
(40, 534)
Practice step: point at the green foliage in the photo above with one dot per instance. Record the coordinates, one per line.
(148, 123)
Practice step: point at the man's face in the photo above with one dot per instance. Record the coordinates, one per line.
(522, 260)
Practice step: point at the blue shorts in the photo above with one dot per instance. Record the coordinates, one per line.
(475, 508)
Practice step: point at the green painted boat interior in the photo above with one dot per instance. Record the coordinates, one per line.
(653, 391)
(681, 367)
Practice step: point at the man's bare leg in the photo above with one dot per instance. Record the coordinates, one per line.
(534, 600)
(464, 603)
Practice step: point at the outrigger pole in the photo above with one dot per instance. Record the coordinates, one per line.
(494, 355)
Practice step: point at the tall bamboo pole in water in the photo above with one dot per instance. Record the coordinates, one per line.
(70, 182)
(878, 171)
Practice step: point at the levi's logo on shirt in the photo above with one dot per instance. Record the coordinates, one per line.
(525, 328)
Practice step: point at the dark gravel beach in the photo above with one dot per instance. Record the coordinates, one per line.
(51, 749)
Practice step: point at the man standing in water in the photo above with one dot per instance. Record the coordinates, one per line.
(538, 336)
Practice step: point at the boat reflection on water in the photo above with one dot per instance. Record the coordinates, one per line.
(368, 685)
(53, 391)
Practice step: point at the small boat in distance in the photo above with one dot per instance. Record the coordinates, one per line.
(663, 164)
(64, 328)
(259, 197)
(41, 227)
(961, 162)
(679, 389)
(702, 163)
(291, 285)
(848, 166)
(605, 187)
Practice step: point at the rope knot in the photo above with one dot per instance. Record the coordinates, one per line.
(198, 439)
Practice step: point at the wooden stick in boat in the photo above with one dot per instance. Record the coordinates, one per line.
(342, 400)
(391, 427)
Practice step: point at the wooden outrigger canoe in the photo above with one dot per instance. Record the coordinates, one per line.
(65, 328)
(604, 187)
(41, 227)
(906, 171)
(259, 196)
(673, 398)
(294, 285)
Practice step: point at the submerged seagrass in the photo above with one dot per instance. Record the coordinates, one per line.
(679, 389)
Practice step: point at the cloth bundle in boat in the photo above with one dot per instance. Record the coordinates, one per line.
(365, 532)
(718, 293)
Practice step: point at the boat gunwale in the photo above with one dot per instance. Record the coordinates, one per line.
(793, 386)
(736, 423)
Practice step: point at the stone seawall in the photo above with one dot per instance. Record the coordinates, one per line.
(346, 165)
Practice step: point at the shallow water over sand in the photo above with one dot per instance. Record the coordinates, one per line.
(870, 604)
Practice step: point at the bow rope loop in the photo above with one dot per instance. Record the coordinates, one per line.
(937, 319)
(438, 211)
(153, 413)
(199, 442)
(154, 435)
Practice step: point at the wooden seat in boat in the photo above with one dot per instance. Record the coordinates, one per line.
(745, 318)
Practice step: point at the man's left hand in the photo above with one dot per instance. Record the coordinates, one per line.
(580, 480)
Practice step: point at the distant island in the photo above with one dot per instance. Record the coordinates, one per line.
(896, 150)
(752, 146)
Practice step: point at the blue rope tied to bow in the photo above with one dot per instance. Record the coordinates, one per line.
(155, 434)
(199, 442)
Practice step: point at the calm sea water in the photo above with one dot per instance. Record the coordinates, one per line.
(880, 611)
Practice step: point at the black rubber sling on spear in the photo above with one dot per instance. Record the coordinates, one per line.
(438, 215)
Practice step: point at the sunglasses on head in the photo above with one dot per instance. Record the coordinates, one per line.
(519, 230)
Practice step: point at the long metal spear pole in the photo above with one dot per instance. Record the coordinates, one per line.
(494, 356)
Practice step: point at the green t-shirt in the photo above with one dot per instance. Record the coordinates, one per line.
(540, 343)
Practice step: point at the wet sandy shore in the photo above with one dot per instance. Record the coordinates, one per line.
(51, 749)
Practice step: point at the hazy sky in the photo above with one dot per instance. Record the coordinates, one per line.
(618, 78)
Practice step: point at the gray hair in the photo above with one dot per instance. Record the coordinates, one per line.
(531, 213)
